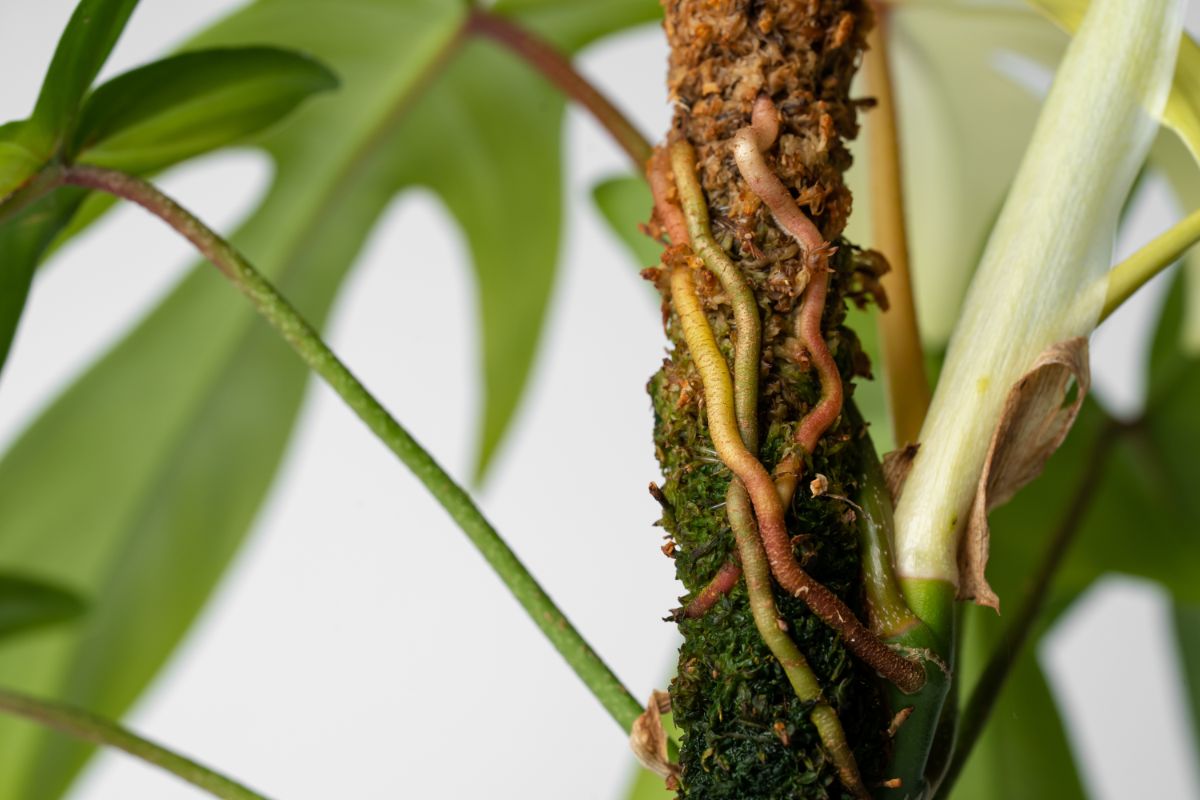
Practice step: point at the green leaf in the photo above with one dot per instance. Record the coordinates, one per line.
(24, 237)
(82, 50)
(192, 103)
(27, 604)
(165, 477)
(625, 203)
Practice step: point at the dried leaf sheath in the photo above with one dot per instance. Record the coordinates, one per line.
(745, 733)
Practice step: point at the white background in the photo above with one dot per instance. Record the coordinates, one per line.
(324, 667)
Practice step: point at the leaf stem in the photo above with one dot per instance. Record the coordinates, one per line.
(887, 610)
(1006, 652)
(97, 730)
(904, 363)
(1136, 271)
(307, 343)
(557, 68)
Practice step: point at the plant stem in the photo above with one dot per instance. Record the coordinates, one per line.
(307, 343)
(557, 68)
(903, 360)
(888, 613)
(1136, 271)
(1012, 641)
(97, 730)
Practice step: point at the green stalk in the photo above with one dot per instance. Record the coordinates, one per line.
(307, 343)
(1136, 271)
(915, 745)
(889, 614)
(90, 728)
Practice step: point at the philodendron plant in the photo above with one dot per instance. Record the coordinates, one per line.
(831, 537)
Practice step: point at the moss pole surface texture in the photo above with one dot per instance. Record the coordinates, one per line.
(745, 733)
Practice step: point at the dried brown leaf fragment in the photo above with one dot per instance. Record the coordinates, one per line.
(648, 739)
(1035, 419)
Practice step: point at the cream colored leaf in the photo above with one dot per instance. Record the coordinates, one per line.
(1035, 419)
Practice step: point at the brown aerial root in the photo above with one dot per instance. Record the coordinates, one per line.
(748, 148)
(662, 187)
(721, 584)
(808, 325)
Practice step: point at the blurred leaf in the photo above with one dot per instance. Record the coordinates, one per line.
(18, 161)
(572, 25)
(26, 604)
(23, 239)
(491, 148)
(1023, 752)
(188, 104)
(625, 203)
(84, 47)
(648, 786)
(1182, 113)
(168, 445)
(164, 484)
